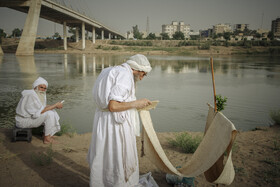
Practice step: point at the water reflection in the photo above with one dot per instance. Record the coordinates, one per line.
(1, 59)
(182, 84)
(27, 69)
(65, 63)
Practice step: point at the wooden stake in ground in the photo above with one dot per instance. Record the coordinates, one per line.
(213, 81)
(211, 174)
(214, 89)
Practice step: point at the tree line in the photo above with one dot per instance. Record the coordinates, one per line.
(178, 35)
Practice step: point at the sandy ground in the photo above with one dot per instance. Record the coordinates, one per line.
(256, 158)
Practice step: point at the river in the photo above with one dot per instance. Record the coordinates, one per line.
(182, 84)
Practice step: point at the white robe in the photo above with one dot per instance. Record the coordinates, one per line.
(112, 155)
(29, 114)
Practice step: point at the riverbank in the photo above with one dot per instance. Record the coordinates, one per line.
(147, 47)
(256, 158)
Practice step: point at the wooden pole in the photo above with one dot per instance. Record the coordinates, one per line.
(214, 90)
(213, 81)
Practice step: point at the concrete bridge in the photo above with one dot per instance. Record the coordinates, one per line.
(55, 12)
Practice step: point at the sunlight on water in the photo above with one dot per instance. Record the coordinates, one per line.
(182, 84)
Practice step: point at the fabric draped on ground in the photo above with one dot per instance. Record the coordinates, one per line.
(208, 158)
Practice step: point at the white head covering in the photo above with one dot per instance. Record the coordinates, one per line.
(139, 62)
(39, 81)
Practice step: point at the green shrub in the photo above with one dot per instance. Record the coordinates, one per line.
(274, 170)
(66, 128)
(106, 48)
(221, 102)
(39, 46)
(275, 116)
(186, 142)
(116, 48)
(43, 159)
(247, 44)
(205, 46)
(99, 47)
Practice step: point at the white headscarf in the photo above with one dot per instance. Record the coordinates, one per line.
(139, 62)
(39, 81)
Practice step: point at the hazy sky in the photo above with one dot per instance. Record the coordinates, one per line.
(121, 15)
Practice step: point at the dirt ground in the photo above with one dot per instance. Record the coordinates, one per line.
(256, 158)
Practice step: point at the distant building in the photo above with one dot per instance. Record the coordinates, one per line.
(275, 27)
(263, 33)
(145, 34)
(174, 27)
(206, 33)
(241, 27)
(129, 35)
(221, 28)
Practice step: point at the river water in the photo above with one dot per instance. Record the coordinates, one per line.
(182, 84)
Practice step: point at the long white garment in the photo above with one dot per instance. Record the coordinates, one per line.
(29, 114)
(112, 155)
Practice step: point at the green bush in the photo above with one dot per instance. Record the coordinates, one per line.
(43, 159)
(275, 116)
(247, 44)
(116, 48)
(205, 46)
(66, 128)
(137, 43)
(39, 46)
(221, 102)
(99, 47)
(186, 142)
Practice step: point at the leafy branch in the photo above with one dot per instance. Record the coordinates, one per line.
(221, 102)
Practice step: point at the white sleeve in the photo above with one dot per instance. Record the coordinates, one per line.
(33, 106)
(120, 92)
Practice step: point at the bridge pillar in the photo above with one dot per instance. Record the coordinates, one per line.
(93, 35)
(28, 37)
(64, 35)
(109, 36)
(77, 34)
(102, 35)
(83, 36)
(1, 51)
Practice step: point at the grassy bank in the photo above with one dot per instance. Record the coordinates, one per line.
(170, 47)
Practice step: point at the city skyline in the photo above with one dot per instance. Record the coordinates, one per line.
(121, 15)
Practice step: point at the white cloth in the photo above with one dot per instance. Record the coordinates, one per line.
(139, 62)
(112, 155)
(218, 139)
(39, 81)
(29, 114)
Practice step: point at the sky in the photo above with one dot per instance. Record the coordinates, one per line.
(122, 15)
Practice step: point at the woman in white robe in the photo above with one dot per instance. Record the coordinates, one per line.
(32, 110)
(112, 153)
